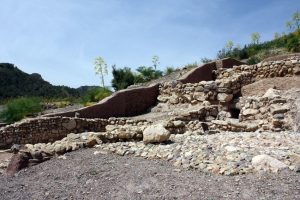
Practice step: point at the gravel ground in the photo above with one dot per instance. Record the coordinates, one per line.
(83, 175)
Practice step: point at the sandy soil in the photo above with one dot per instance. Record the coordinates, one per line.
(83, 175)
(260, 87)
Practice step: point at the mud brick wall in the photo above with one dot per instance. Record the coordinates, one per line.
(124, 103)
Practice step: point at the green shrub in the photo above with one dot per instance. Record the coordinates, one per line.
(293, 45)
(191, 65)
(95, 95)
(169, 70)
(253, 60)
(19, 108)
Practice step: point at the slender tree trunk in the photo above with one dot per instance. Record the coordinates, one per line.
(102, 77)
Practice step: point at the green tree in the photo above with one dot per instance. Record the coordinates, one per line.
(100, 68)
(229, 45)
(289, 25)
(294, 23)
(296, 19)
(122, 78)
(148, 73)
(276, 36)
(155, 61)
(255, 37)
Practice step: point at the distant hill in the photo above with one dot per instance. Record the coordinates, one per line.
(16, 83)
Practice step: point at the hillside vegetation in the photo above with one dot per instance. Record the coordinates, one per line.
(256, 51)
(16, 83)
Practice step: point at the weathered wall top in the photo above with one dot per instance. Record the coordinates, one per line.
(206, 72)
(124, 103)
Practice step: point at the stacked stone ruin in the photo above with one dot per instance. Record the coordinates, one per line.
(223, 108)
(213, 106)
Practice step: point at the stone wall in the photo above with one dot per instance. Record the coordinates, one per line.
(124, 103)
(50, 129)
(269, 113)
(193, 120)
(219, 91)
(228, 83)
(267, 69)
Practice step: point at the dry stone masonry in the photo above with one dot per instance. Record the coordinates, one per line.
(50, 129)
(205, 125)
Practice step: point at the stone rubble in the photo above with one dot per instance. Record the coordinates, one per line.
(225, 153)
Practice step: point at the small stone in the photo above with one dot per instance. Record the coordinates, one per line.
(276, 109)
(250, 112)
(223, 97)
(279, 116)
(59, 149)
(272, 93)
(62, 157)
(100, 152)
(231, 148)
(178, 123)
(174, 99)
(92, 141)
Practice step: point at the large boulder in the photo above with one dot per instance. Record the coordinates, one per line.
(17, 162)
(155, 134)
(268, 163)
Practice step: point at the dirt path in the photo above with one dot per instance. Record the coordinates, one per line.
(83, 175)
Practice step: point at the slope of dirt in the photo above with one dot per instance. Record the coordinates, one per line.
(280, 57)
(65, 109)
(170, 77)
(260, 87)
(83, 175)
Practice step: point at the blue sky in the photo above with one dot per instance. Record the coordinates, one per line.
(60, 39)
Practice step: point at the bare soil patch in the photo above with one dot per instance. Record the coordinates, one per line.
(260, 87)
(83, 175)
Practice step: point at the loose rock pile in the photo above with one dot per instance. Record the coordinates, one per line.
(227, 153)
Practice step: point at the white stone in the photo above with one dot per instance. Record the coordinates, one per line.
(178, 123)
(225, 97)
(231, 148)
(265, 162)
(250, 112)
(272, 93)
(155, 134)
